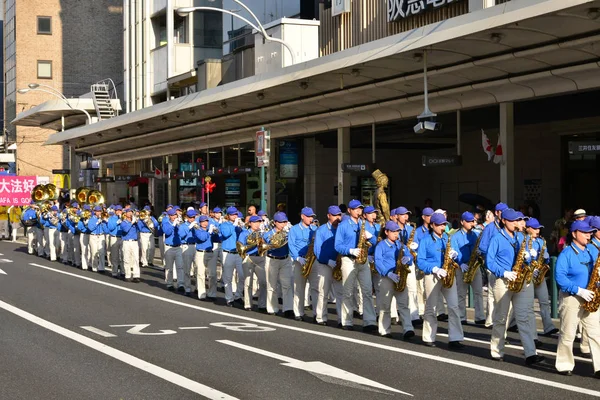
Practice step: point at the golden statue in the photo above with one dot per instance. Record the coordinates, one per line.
(381, 201)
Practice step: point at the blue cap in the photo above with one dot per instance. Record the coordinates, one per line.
(147, 208)
(97, 208)
(510, 215)
(393, 212)
(176, 208)
(581, 226)
(438, 219)
(354, 204)
(595, 222)
(172, 211)
(402, 210)
(87, 207)
(73, 204)
(261, 213)
(255, 218)
(217, 210)
(501, 207)
(54, 208)
(239, 214)
(128, 209)
(169, 205)
(392, 226)
(428, 211)
(308, 212)
(203, 218)
(521, 215)
(280, 217)
(118, 207)
(534, 223)
(334, 210)
(78, 213)
(467, 216)
(232, 210)
(369, 210)
(32, 202)
(201, 205)
(191, 213)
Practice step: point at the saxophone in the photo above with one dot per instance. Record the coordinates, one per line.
(520, 269)
(450, 266)
(402, 270)
(475, 262)
(540, 266)
(363, 245)
(593, 285)
(310, 258)
(337, 270)
(411, 239)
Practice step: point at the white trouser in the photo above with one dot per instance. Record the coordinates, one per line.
(205, 264)
(173, 262)
(477, 288)
(31, 237)
(47, 242)
(351, 273)
(323, 285)
(279, 271)
(571, 314)
(39, 238)
(230, 263)
(237, 281)
(413, 293)
(15, 230)
(161, 248)
(188, 253)
(490, 299)
(522, 303)
(384, 302)
(4, 229)
(147, 257)
(65, 247)
(115, 247)
(76, 245)
(52, 240)
(541, 293)
(97, 252)
(433, 289)
(421, 293)
(131, 259)
(86, 259)
(255, 265)
(300, 288)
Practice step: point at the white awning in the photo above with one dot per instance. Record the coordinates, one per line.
(7, 157)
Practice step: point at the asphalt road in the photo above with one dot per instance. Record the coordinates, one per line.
(71, 334)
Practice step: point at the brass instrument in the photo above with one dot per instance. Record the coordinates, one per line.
(593, 286)
(85, 215)
(278, 240)
(450, 266)
(310, 257)
(402, 270)
(519, 268)
(475, 262)
(337, 270)
(363, 245)
(144, 216)
(81, 195)
(41, 193)
(540, 266)
(253, 240)
(411, 239)
(95, 198)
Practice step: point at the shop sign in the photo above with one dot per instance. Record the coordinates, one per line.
(61, 171)
(447, 161)
(105, 179)
(186, 169)
(125, 178)
(398, 9)
(584, 147)
(357, 168)
(288, 159)
(339, 7)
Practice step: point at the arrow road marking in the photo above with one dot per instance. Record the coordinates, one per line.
(315, 367)
(2, 272)
(98, 331)
(184, 328)
(5, 260)
(136, 329)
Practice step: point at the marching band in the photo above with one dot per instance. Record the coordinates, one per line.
(364, 263)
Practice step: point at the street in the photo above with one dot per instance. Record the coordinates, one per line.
(72, 334)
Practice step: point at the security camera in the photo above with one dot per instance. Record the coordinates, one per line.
(427, 125)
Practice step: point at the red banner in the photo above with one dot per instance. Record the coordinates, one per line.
(16, 190)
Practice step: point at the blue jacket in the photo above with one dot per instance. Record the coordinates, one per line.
(386, 254)
(405, 233)
(129, 230)
(243, 239)
(422, 231)
(186, 234)
(374, 230)
(299, 238)
(488, 233)
(172, 237)
(502, 252)
(229, 235)
(346, 237)
(203, 240)
(280, 252)
(430, 253)
(463, 243)
(573, 268)
(325, 244)
(95, 225)
(113, 227)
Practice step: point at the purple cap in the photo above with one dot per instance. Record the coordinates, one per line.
(176, 208)
(402, 210)
(170, 206)
(74, 204)
(438, 219)
(191, 213)
(97, 208)
(510, 215)
(533, 223)
(594, 222)
(393, 212)
(428, 211)
(392, 226)
(581, 226)
(118, 207)
(54, 208)
(147, 208)
(308, 212)
(172, 211)
(203, 218)
(261, 213)
(201, 205)
(280, 217)
(334, 210)
(128, 209)
(232, 210)
(239, 214)
(255, 218)
(501, 207)
(217, 210)
(369, 210)
(467, 216)
(354, 204)
(87, 207)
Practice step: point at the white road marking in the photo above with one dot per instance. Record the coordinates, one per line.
(5, 260)
(2, 272)
(155, 370)
(464, 364)
(315, 367)
(136, 329)
(186, 328)
(98, 331)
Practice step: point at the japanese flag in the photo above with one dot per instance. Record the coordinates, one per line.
(158, 174)
(487, 145)
(499, 155)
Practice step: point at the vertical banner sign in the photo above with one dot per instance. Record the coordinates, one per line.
(288, 159)
(339, 7)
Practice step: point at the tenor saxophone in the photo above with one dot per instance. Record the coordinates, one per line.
(310, 258)
(540, 266)
(520, 269)
(475, 262)
(450, 266)
(363, 245)
(337, 270)
(593, 285)
(402, 270)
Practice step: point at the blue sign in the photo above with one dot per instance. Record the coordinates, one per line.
(288, 159)
(188, 167)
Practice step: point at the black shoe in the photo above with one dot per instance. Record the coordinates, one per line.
(597, 374)
(239, 301)
(513, 328)
(442, 317)
(188, 294)
(369, 328)
(550, 333)
(356, 315)
(136, 280)
(128, 280)
(565, 373)
(538, 344)
(429, 344)
(408, 335)
(171, 288)
(298, 318)
(230, 304)
(534, 359)
(247, 309)
(339, 325)
(389, 336)
(152, 265)
(262, 310)
(499, 359)
(348, 328)
(464, 323)
(289, 314)
(480, 322)
(322, 323)
(417, 322)
(211, 298)
(181, 289)
(456, 345)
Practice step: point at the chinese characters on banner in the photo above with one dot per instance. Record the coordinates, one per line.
(398, 9)
(16, 190)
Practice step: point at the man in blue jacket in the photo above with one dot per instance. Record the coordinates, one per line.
(300, 237)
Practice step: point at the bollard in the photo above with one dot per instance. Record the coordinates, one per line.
(554, 288)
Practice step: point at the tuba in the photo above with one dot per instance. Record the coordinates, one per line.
(475, 262)
(402, 270)
(540, 266)
(520, 269)
(95, 198)
(450, 266)
(253, 240)
(594, 286)
(81, 195)
(363, 245)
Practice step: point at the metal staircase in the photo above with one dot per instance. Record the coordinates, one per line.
(101, 92)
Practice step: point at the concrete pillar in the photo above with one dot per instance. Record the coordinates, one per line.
(270, 185)
(173, 166)
(310, 172)
(343, 152)
(507, 168)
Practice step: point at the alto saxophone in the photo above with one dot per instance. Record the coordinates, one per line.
(520, 269)
(594, 286)
(402, 270)
(540, 266)
(337, 270)
(450, 266)
(363, 245)
(475, 262)
(310, 258)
